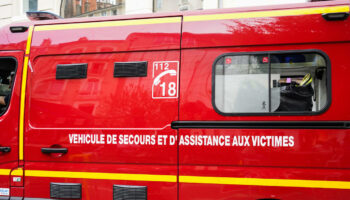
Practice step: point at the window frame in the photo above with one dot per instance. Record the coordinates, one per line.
(296, 113)
(13, 85)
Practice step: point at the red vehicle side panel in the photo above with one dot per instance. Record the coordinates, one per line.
(9, 123)
(251, 31)
(101, 105)
(164, 36)
(60, 112)
(320, 155)
(196, 104)
(12, 42)
(100, 187)
(195, 191)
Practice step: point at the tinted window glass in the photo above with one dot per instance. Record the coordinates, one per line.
(271, 83)
(7, 77)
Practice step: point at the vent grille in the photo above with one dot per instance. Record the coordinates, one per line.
(129, 192)
(71, 71)
(130, 69)
(65, 190)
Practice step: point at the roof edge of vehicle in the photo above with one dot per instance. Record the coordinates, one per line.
(180, 14)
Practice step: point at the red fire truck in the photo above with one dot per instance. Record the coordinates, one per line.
(248, 103)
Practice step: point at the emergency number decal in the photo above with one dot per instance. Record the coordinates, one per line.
(4, 191)
(165, 79)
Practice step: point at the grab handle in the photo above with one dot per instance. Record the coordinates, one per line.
(5, 149)
(340, 16)
(54, 150)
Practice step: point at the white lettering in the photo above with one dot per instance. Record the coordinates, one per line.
(291, 141)
(172, 140)
(246, 140)
(184, 140)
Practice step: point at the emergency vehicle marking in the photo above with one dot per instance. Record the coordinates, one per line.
(100, 175)
(5, 171)
(185, 140)
(165, 80)
(17, 172)
(241, 15)
(132, 22)
(29, 40)
(266, 182)
(39, 128)
(325, 184)
(4, 191)
(260, 14)
(232, 140)
(16, 179)
(23, 92)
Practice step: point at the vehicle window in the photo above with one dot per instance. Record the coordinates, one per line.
(7, 77)
(270, 83)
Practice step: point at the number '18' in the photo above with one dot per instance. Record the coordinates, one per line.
(171, 88)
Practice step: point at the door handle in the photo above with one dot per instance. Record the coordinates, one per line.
(335, 16)
(5, 149)
(54, 150)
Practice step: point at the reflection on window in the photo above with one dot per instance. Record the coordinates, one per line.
(7, 78)
(30, 5)
(84, 8)
(178, 5)
(265, 83)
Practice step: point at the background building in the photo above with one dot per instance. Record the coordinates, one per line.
(89, 8)
(14, 10)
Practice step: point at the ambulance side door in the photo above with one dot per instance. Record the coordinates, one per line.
(10, 82)
(100, 101)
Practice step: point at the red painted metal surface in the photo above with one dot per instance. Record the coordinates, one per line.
(217, 191)
(9, 122)
(104, 105)
(17, 191)
(10, 41)
(101, 189)
(322, 148)
(100, 104)
(196, 103)
(5, 179)
(314, 151)
(263, 31)
(128, 38)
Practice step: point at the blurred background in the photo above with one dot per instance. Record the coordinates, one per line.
(14, 10)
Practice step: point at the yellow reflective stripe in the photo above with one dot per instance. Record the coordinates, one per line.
(23, 93)
(29, 39)
(99, 175)
(241, 15)
(5, 172)
(17, 172)
(273, 13)
(266, 182)
(191, 179)
(132, 22)
(21, 112)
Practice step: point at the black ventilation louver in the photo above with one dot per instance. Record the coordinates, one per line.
(130, 69)
(129, 192)
(65, 190)
(71, 71)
